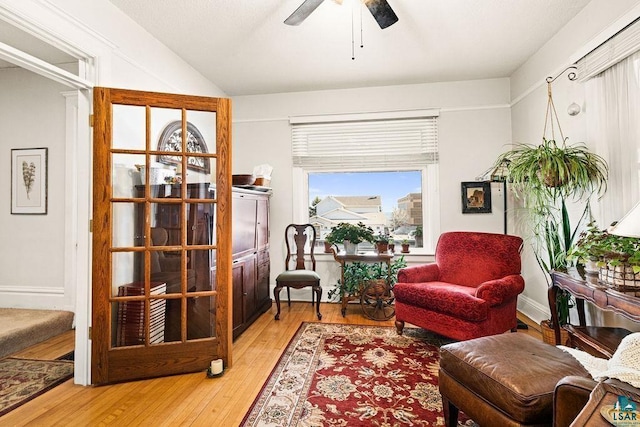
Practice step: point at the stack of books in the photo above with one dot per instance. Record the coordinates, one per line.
(131, 315)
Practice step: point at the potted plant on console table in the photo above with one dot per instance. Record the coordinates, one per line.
(351, 235)
(615, 259)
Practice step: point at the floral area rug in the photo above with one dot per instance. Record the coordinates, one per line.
(347, 375)
(23, 379)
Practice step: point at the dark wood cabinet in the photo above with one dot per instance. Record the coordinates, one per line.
(250, 258)
(250, 247)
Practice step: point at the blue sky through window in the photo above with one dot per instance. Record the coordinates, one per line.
(390, 186)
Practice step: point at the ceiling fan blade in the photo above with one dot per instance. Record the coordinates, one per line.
(302, 12)
(382, 12)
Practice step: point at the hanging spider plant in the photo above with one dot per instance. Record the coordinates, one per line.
(544, 177)
(546, 173)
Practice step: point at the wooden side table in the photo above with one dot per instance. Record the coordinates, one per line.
(596, 340)
(370, 257)
(601, 402)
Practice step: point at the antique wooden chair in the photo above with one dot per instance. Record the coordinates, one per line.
(299, 270)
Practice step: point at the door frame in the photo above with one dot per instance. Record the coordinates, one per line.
(78, 158)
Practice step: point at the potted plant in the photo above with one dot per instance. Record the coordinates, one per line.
(359, 274)
(616, 257)
(544, 176)
(350, 235)
(418, 235)
(328, 243)
(381, 242)
(548, 172)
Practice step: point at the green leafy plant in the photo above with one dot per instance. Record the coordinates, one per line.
(382, 238)
(604, 248)
(546, 175)
(540, 173)
(359, 274)
(564, 302)
(543, 177)
(355, 233)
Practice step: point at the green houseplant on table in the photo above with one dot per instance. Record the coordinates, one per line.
(544, 177)
(357, 274)
(381, 242)
(616, 257)
(350, 235)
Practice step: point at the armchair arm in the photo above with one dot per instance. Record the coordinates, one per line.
(496, 292)
(419, 273)
(570, 396)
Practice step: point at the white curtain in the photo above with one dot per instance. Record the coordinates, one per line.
(613, 107)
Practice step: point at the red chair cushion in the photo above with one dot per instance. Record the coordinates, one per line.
(442, 297)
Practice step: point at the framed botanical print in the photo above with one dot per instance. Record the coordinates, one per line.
(171, 140)
(476, 197)
(29, 172)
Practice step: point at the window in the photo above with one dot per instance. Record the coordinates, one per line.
(613, 97)
(388, 202)
(380, 168)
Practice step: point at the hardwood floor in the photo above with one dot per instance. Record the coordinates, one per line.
(186, 400)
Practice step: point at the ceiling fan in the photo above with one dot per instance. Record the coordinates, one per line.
(380, 9)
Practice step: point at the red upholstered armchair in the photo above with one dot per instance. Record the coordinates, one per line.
(470, 291)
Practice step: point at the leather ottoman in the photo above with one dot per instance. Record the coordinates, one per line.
(503, 380)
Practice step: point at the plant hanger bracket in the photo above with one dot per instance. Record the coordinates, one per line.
(551, 112)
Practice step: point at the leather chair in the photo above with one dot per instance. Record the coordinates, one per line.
(300, 271)
(470, 291)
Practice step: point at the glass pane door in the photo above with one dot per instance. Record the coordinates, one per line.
(158, 226)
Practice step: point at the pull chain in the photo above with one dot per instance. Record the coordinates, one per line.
(361, 37)
(353, 51)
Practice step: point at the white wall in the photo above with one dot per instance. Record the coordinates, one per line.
(473, 128)
(125, 56)
(32, 115)
(593, 25)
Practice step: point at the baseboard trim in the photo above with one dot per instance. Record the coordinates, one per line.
(533, 309)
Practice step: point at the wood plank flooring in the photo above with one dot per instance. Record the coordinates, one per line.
(182, 400)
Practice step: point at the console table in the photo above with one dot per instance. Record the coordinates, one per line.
(596, 340)
(342, 258)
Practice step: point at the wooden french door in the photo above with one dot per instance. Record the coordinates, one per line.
(161, 234)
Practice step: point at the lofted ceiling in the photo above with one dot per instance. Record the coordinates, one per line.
(245, 48)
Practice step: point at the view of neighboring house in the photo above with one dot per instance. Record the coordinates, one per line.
(333, 210)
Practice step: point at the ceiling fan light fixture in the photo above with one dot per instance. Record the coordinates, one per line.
(380, 9)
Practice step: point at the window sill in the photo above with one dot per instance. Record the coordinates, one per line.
(416, 255)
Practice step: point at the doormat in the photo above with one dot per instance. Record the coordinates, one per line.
(350, 375)
(24, 379)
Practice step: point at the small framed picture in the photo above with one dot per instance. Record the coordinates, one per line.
(476, 197)
(29, 181)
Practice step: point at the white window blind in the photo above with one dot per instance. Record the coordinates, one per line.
(366, 144)
(624, 43)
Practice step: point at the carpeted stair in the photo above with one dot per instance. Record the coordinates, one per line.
(21, 328)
